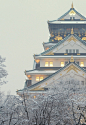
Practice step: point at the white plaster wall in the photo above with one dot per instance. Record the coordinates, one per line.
(77, 45)
(63, 75)
(68, 16)
(57, 62)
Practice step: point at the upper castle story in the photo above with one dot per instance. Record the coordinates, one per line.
(61, 27)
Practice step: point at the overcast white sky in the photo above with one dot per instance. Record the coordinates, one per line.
(23, 29)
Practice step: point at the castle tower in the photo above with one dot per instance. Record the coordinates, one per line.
(64, 56)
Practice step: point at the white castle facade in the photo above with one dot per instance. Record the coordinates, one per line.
(64, 56)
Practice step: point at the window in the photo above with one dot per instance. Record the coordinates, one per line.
(34, 97)
(73, 50)
(66, 63)
(66, 50)
(82, 64)
(51, 64)
(46, 64)
(37, 78)
(77, 63)
(73, 18)
(70, 50)
(70, 18)
(62, 64)
(47, 48)
(77, 50)
(41, 78)
(82, 82)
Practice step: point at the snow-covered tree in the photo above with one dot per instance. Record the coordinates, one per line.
(63, 104)
(3, 72)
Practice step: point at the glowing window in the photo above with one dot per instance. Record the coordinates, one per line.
(41, 78)
(47, 48)
(51, 64)
(46, 64)
(37, 78)
(62, 64)
(82, 64)
(34, 97)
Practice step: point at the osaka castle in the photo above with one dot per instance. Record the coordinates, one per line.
(64, 56)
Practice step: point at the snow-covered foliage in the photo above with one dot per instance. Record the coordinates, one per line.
(3, 72)
(63, 104)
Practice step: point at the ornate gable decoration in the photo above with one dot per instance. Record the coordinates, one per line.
(50, 53)
(37, 89)
(72, 67)
(72, 12)
(72, 38)
(58, 38)
(71, 60)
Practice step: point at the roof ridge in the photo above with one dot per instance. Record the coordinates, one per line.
(63, 41)
(67, 13)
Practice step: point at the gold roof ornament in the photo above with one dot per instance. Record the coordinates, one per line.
(72, 59)
(72, 31)
(72, 5)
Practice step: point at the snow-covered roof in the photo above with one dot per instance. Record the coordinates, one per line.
(40, 72)
(59, 56)
(59, 43)
(67, 22)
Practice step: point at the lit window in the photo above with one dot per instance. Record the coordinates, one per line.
(37, 61)
(62, 64)
(46, 64)
(41, 78)
(82, 64)
(37, 78)
(51, 64)
(34, 97)
(46, 48)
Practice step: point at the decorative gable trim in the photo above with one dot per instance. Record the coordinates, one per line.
(72, 38)
(72, 67)
(68, 38)
(73, 12)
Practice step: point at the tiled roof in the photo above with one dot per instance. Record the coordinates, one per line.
(67, 13)
(82, 41)
(55, 45)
